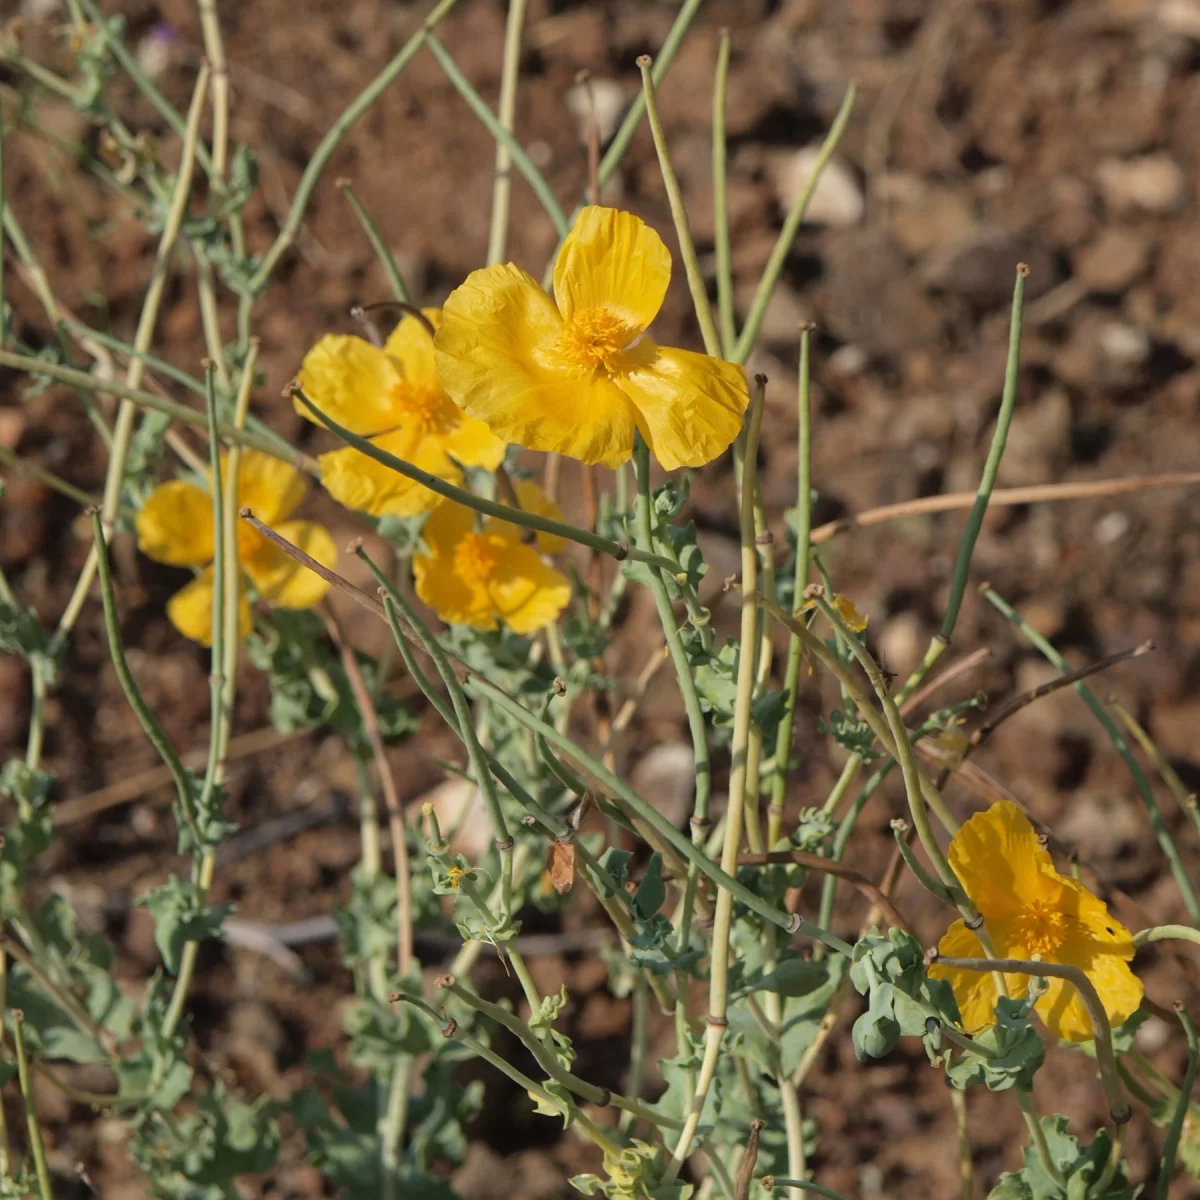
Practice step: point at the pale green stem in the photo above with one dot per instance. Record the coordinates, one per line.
(1175, 1130)
(787, 235)
(1100, 1188)
(1185, 799)
(720, 168)
(382, 252)
(31, 1117)
(683, 230)
(1162, 933)
(1037, 1135)
(510, 71)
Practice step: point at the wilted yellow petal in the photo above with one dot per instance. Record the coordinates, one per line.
(614, 261)
(190, 610)
(411, 345)
(281, 580)
(175, 525)
(999, 860)
(269, 487)
(689, 405)
(855, 621)
(356, 383)
(527, 593)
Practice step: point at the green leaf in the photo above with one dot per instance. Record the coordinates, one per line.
(21, 633)
(180, 916)
(1016, 1051)
(652, 891)
(1081, 1166)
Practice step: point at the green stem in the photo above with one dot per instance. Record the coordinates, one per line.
(392, 1129)
(31, 1118)
(489, 508)
(510, 72)
(1100, 1188)
(806, 1185)
(683, 230)
(1161, 933)
(720, 170)
(1037, 1135)
(791, 681)
(1185, 799)
(787, 235)
(936, 889)
(1161, 832)
(330, 142)
(382, 251)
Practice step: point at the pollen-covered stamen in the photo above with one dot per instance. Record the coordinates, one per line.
(476, 557)
(1040, 928)
(433, 411)
(595, 339)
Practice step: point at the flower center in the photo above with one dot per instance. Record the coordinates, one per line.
(594, 339)
(433, 412)
(476, 558)
(1040, 928)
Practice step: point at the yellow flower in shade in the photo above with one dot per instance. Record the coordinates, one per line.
(392, 396)
(577, 375)
(1029, 909)
(482, 577)
(175, 526)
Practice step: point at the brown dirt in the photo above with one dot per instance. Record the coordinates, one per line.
(1063, 134)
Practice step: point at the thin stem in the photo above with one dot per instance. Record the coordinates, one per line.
(718, 992)
(1185, 799)
(966, 1170)
(489, 508)
(803, 1185)
(1162, 933)
(1116, 1150)
(510, 71)
(52, 481)
(791, 681)
(1037, 1135)
(720, 171)
(31, 1118)
(683, 229)
(382, 251)
(1165, 841)
(392, 1126)
(330, 142)
(1101, 1031)
(536, 180)
(787, 235)
(1175, 1129)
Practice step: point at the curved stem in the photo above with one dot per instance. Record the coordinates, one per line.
(1162, 933)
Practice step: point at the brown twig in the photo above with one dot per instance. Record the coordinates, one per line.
(1002, 498)
(964, 666)
(391, 798)
(745, 1175)
(816, 862)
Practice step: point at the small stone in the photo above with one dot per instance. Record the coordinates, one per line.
(1111, 527)
(667, 774)
(1125, 344)
(1151, 183)
(1114, 260)
(838, 198)
(1179, 16)
(610, 101)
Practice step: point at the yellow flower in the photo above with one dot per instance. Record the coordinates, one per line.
(1030, 909)
(481, 578)
(577, 375)
(394, 397)
(175, 526)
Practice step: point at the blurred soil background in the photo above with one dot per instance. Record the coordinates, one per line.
(1062, 134)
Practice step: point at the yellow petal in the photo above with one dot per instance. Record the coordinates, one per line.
(615, 261)
(974, 991)
(269, 487)
(359, 482)
(281, 580)
(531, 499)
(446, 527)
(527, 593)
(999, 860)
(190, 610)
(411, 345)
(175, 525)
(689, 405)
(455, 601)
(474, 445)
(354, 382)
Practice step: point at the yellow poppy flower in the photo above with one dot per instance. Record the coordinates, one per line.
(175, 526)
(1029, 909)
(480, 578)
(394, 397)
(576, 375)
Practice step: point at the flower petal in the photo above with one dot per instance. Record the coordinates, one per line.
(496, 357)
(271, 488)
(357, 481)
(612, 260)
(411, 345)
(455, 601)
(974, 991)
(190, 610)
(281, 580)
(474, 445)
(175, 525)
(999, 860)
(532, 499)
(354, 382)
(447, 526)
(527, 593)
(689, 405)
